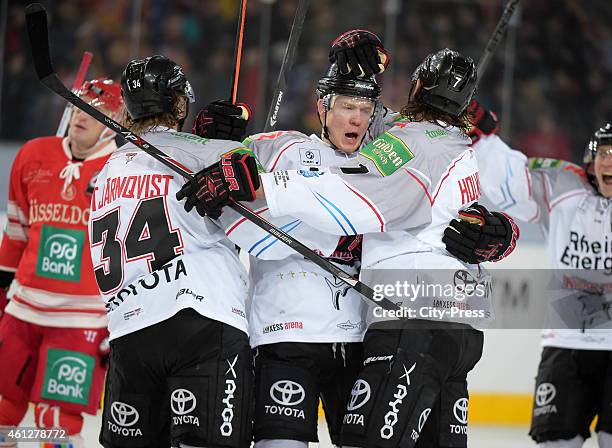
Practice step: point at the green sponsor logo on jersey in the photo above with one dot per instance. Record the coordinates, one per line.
(435, 133)
(388, 153)
(68, 376)
(541, 162)
(59, 253)
(191, 137)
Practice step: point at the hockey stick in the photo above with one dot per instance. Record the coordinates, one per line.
(36, 21)
(281, 83)
(238, 50)
(498, 33)
(79, 79)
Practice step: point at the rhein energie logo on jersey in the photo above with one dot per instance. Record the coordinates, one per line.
(68, 376)
(59, 253)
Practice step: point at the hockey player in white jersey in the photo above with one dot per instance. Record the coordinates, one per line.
(306, 326)
(180, 363)
(573, 208)
(409, 183)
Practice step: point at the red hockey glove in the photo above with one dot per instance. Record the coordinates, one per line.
(359, 53)
(479, 235)
(348, 250)
(483, 121)
(233, 178)
(222, 120)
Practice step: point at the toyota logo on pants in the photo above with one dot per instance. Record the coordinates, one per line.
(360, 394)
(182, 401)
(124, 414)
(287, 393)
(545, 393)
(460, 409)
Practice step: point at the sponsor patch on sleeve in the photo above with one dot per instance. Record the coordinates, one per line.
(388, 153)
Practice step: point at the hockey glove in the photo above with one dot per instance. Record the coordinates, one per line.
(348, 250)
(483, 121)
(104, 350)
(479, 235)
(222, 120)
(233, 178)
(359, 53)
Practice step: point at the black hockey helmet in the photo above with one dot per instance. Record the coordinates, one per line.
(448, 81)
(601, 137)
(147, 86)
(333, 83)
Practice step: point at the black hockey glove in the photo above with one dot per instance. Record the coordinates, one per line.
(222, 120)
(233, 178)
(479, 235)
(104, 351)
(359, 53)
(483, 121)
(348, 250)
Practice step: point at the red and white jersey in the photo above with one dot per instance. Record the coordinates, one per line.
(293, 299)
(575, 220)
(45, 239)
(400, 191)
(150, 257)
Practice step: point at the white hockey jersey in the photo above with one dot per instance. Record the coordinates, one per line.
(151, 258)
(293, 299)
(409, 183)
(576, 222)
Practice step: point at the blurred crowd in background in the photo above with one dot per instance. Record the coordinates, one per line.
(551, 76)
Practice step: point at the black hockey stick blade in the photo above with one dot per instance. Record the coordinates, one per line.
(40, 51)
(281, 83)
(36, 22)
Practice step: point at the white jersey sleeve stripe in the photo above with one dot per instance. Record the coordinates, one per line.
(276, 240)
(421, 184)
(282, 151)
(443, 179)
(562, 198)
(317, 195)
(269, 236)
(370, 204)
(242, 220)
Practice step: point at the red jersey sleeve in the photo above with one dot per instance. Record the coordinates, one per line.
(15, 234)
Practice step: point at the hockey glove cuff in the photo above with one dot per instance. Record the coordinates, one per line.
(359, 53)
(233, 178)
(348, 250)
(479, 235)
(222, 120)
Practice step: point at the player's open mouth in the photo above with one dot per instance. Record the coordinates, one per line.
(351, 136)
(607, 178)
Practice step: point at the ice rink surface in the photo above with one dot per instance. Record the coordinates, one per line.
(478, 436)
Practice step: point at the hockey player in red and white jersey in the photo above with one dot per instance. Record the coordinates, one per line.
(572, 205)
(54, 325)
(408, 183)
(180, 363)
